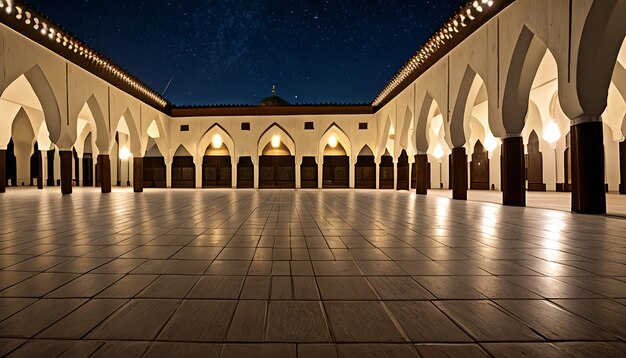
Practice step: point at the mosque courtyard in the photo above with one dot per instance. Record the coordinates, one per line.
(306, 273)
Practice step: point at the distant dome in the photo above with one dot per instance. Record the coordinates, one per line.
(274, 101)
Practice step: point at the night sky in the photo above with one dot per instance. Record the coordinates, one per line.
(231, 52)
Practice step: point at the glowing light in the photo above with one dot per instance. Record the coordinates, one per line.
(276, 141)
(332, 141)
(124, 153)
(438, 153)
(490, 142)
(551, 133)
(217, 142)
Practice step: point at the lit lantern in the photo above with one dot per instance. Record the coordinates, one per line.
(276, 141)
(216, 141)
(438, 153)
(551, 133)
(124, 153)
(490, 142)
(332, 141)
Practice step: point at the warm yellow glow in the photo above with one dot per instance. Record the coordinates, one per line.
(217, 142)
(332, 141)
(490, 142)
(275, 141)
(124, 153)
(551, 133)
(438, 153)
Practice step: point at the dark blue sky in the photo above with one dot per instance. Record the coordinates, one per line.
(231, 52)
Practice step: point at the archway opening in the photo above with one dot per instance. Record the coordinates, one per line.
(479, 168)
(386, 180)
(336, 168)
(308, 173)
(154, 168)
(277, 167)
(365, 169)
(403, 171)
(216, 165)
(183, 169)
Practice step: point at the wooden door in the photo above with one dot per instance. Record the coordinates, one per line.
(216, 172)
(386, 172)
(336, 171)
(365, 172)
(245, 173)
(277, 172)
(308, 173)
(479, 168)
(183, 172)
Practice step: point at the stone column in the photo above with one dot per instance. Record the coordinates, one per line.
(459, 174)
(513, 173)
(421, 174)
(233, 173)
(298, 173)
(81, 179)
(377, 162)
(104, 169)
(3, 174)
(622, 167)
(352, 173)
(588, 190)
(138, 174)
(67, 158)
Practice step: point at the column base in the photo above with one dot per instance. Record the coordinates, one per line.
(588, 186)
(513, 172)
(459, 174)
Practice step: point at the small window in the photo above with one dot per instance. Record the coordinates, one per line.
(363, 125)
(184, 127)
(308, 126)
(245, 126)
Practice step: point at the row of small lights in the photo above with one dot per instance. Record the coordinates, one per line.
(75, 46)
(445, 33)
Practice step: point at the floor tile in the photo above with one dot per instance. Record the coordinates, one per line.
(361, 322)
(296, 322)
(199, 321)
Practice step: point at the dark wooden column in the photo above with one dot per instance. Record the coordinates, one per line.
(459, 174)
(513, 168)
(138, 175)
(50, 181)
(588, 189)
(421, 174)
(104, 170)
(40, 170)
(3, 169)
(622, 167)
(67, 157)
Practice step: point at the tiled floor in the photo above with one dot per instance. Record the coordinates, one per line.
(222, 273)
(615, 203)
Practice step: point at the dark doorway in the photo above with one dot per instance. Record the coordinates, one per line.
(308, 173)
(11, 165)
(183, 172)
(534, 164)
(245, 173)
(216, 172)
(386, 172)
(154, 172)
(87, 169)
(36, 169)
(336, 171)
(277, 171)
(365, 172)
(479, 168)
(403, 171)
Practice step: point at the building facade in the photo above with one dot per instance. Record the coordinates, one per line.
(507, 95)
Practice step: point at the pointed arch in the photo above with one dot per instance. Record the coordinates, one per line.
(423, 123)
(406, 125)
(182, 151)
(469, 89)
(272, 130)
(99, 125)
(341, 136)
(527, 56)
(383, 136)
(49, 103)
(596, 58)
(135, 140)
(366, 151)
(207, 137)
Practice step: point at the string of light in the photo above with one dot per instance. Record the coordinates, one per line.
(448, 30)
(20, 12)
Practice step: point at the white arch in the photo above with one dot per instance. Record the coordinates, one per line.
(272, 130)
(341, 136)
(206, 139)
